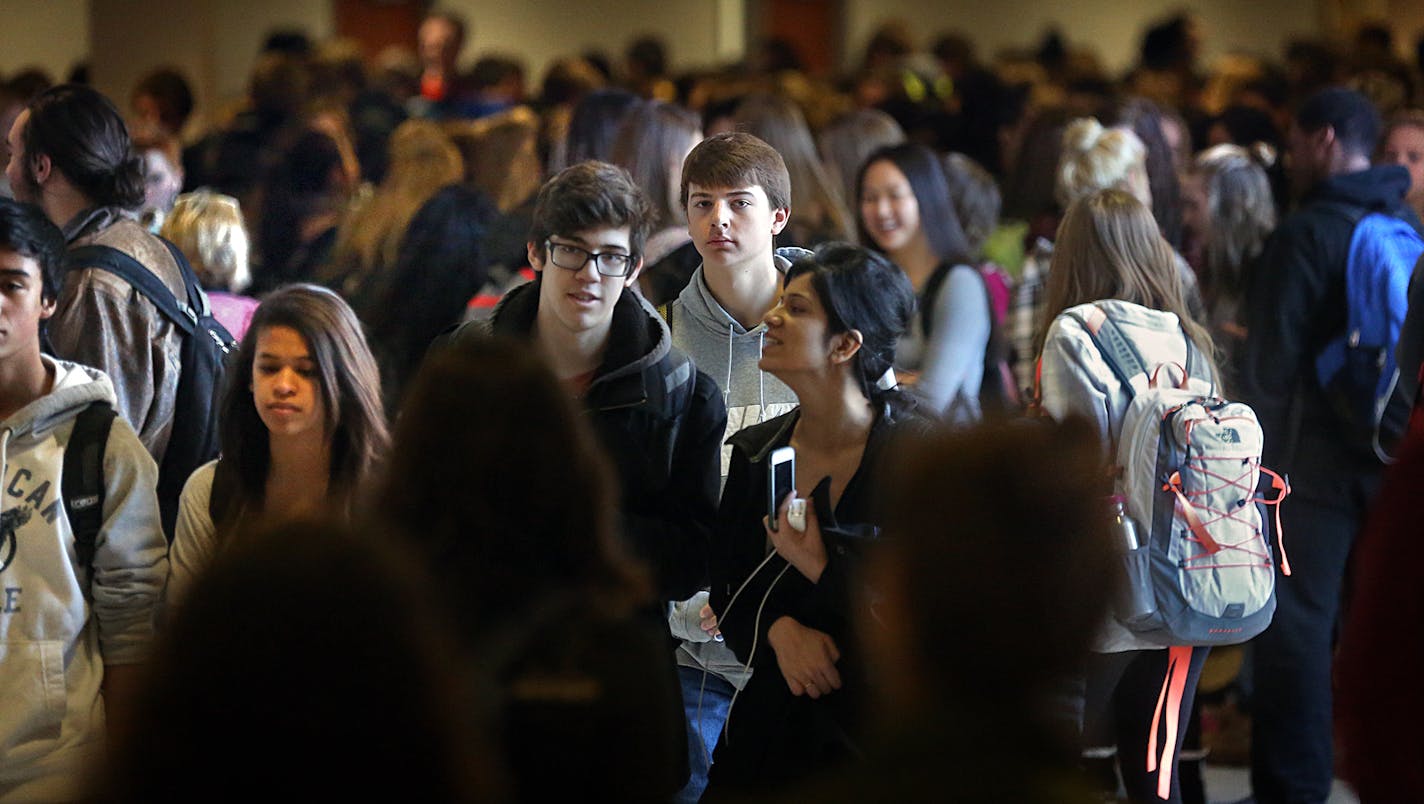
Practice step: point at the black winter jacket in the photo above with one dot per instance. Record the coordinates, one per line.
(775, 738)
(1295, 305)
(661, 422)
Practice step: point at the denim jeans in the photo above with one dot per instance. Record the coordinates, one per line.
(704, 725)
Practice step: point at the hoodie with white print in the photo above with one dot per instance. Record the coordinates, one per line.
(729, 353)
(60, 626)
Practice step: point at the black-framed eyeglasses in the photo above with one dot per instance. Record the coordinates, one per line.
(573, 258)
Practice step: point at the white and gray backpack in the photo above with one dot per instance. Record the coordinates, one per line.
(1189, 470)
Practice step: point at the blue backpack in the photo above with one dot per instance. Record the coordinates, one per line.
(1357, 370)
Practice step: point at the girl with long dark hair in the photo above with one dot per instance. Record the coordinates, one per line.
(303, 428)
(786, 612)
(907, 214)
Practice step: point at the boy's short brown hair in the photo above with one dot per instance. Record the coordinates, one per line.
(591, 195)
(737, 159)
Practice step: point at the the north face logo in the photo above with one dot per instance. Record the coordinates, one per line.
(1230, 436)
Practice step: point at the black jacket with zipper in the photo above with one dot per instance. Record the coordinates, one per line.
(661, 422)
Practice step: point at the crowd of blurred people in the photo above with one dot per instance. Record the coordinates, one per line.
(491, 518)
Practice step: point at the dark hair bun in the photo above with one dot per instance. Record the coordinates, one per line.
(127, 183)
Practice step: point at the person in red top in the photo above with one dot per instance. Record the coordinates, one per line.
(1378, 699)
(439, 40)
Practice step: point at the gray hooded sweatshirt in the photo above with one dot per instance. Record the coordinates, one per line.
(729, 353)
(60, 626)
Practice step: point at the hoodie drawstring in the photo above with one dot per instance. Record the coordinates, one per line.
(731, 331)
(761, 378)
(761, 375)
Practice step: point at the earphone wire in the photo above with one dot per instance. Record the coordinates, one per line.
(751, 656)
(746, 667)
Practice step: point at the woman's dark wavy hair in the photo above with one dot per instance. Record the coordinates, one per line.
(497, 481)
(594, 125)
(863, 291)
(83, 134)
(295, 187)
(925, 173)
(1145, 119)
(350, 388)
(651, 143)
(440, 265)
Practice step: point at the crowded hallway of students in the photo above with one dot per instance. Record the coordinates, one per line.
(821, 405)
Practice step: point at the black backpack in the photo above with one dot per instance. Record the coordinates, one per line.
(206, 345)
(82, 481)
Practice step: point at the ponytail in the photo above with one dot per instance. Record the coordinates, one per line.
(124, 187)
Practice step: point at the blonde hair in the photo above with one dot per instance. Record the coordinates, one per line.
(1096, 158)
(501, 155)
(209, 230)
(423, 159)
(1241, 209)
(1109, 247)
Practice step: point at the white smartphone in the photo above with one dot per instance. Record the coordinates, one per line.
(781, 481)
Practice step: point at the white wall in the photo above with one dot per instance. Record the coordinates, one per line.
(1111, 27)
(52, 34)
(244, 25)
(538, 32)
(213, 42)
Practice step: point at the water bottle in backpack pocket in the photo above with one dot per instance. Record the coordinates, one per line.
(1135, 601)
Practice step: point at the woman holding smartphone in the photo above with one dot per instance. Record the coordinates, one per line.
(783, 593)
(302, 428)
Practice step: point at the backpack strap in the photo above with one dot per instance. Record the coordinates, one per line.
(1117, 351)
(197, 299)
(1169, 709)
(678, 379)
(930, 292)
(110, 259)
(1354, 213)
(82, 480)
(1197, 364)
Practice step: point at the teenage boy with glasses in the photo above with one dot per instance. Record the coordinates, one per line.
(659, 418)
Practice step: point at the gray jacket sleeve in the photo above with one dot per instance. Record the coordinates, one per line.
(130, 555)
(953, 362)
(1073, 379)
